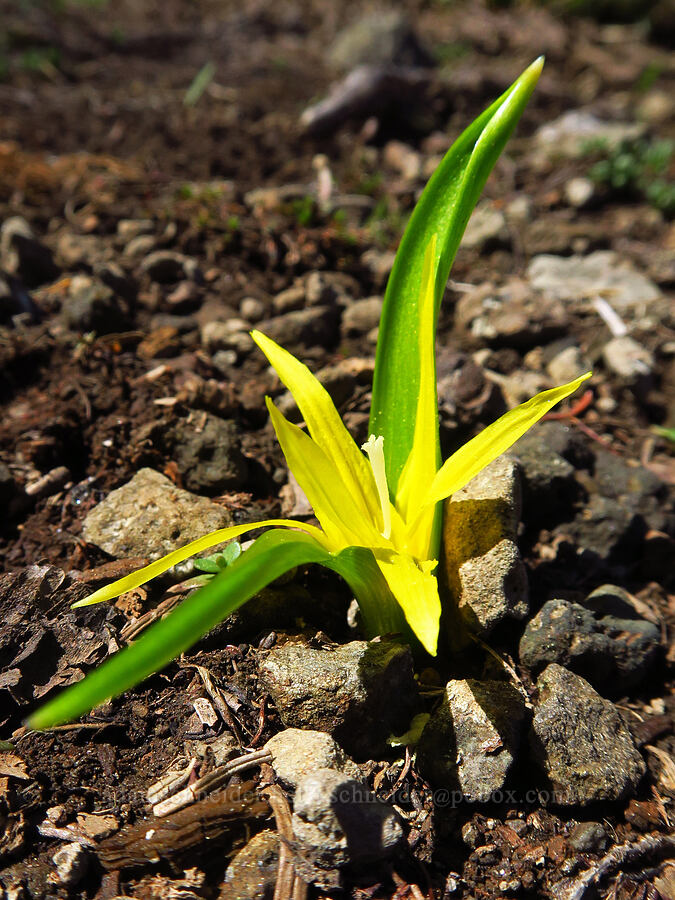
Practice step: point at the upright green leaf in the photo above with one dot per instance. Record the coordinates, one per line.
(443, 209)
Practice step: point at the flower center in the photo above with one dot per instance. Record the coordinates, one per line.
(374, 448)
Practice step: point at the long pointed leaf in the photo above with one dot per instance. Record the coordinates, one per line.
(273, 554)
(443, 209)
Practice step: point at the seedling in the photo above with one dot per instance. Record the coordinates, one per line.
(380, 509)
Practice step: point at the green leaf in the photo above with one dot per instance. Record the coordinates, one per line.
(272, 555)
(668, 433)
(443, 209)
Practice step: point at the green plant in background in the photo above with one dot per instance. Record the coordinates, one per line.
(638, 169)
(380, 512)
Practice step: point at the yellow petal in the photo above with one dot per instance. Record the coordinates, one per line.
(422, 463)
(344, 523)
(416, 592)
(140, 576)
(324, 425)
(479, 452)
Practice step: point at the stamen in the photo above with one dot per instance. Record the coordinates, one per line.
(374, 447)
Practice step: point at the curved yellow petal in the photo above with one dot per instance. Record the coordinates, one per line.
(416, 592)
(140, 576)
(324, 425)
(343, 522)
(470, 459)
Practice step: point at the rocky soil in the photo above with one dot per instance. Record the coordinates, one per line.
(172, 175)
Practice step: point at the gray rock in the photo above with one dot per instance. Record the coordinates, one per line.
(209, 458)
(150, 516)
(512, 315)
(362, 315)
(579, 192)
(340, 380)
(470, 741)
(252, 873)
(366, 91)
(72, 862)
(548, 478)
(338, 822)
(587, 837)
(568, 135)
(624, 502)
(218, 335)
(604, 273)
(402, 159)
(484, 568)
(567, 365)
(318, 325)
(607, 529)
(380, 38)
(581, 742)
(92, 306)
(166, 266)
(339, 690)
(632, 362)
(613, 653)
(23, 255)
(487, 228)
(252, 309)
(293, 298)
(296, 752)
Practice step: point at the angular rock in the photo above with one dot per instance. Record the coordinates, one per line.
(296, 752)
(338, 822)
(362, 315)
(252, 873)
(604, 273)
(568, 135)
(484, 568)
(23, 255)
(510, 316)
(624, 357)
(340, 690)
(470, 741)
(72, 862)
(318, 325)
(381, 38)
(149, 516)
(210, 458)
(92, 306)
(613, 652)
(567, 365)
(579, 192)
(581, 742)
(549, 484)
(587, 837)
(366, 91)
(487, 228)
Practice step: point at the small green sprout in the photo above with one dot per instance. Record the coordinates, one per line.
(638, 169)
(379, 507)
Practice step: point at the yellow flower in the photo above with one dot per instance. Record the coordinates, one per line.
(393, 538)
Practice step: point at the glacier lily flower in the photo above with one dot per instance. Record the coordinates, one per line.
(379, 507)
